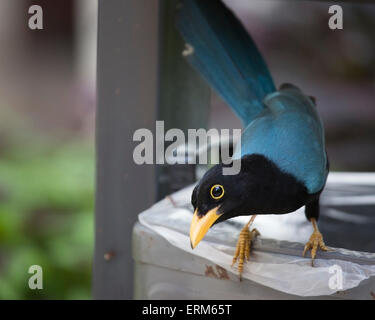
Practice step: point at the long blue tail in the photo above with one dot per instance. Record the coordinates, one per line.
(223, 52)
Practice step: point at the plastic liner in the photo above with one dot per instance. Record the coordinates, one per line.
(276, 260)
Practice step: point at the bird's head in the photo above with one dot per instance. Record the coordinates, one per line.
(218, 197)
(260, 187)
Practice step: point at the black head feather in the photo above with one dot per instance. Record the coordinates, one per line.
(260, 188)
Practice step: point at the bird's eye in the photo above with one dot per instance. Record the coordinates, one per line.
(217, 191)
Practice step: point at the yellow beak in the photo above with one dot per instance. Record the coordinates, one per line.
(201, 224)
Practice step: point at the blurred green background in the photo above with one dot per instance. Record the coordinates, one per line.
(46, 212)
(47, 160)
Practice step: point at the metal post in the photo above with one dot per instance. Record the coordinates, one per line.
(184, 97)
(127, 99)
(142, 77)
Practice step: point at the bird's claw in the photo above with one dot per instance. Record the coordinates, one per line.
(315, 242)
(242, 253)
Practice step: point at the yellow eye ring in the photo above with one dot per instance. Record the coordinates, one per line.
(214, 191)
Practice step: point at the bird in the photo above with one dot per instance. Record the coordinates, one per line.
(282, 154)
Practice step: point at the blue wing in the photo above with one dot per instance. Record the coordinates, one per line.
(290, 133)
(223, 52)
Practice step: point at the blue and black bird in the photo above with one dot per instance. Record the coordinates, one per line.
(284, 164)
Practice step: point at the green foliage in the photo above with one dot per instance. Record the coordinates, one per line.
(46, 219)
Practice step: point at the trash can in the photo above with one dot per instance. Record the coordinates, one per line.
(167, 268)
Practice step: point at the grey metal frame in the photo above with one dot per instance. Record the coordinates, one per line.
(127, 98)
(142, 77)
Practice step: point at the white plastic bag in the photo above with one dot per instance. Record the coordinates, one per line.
(276, 260)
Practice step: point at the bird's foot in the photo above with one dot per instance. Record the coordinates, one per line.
(242, 253)
(315, 242)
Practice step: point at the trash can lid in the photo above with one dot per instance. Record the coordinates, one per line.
(276, 260)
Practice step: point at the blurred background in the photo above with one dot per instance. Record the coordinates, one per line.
(47, 107)
(47, 112)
